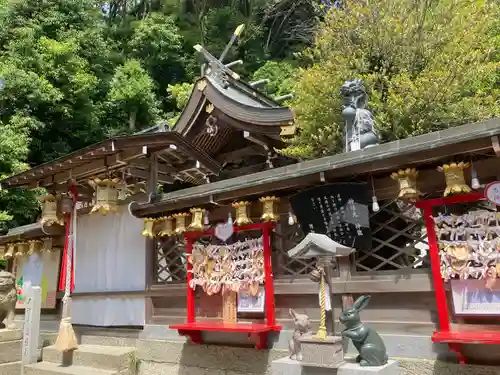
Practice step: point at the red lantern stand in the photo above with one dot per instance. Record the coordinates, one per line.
(256, 332)
(454, 338)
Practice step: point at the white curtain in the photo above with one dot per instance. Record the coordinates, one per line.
(110, 256)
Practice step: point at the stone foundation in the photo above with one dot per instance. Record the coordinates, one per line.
(160, 357)
(10, 351)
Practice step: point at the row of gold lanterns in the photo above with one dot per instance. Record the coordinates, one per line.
(106, 201)
(22, 248)
(453, 174)
(177, 223)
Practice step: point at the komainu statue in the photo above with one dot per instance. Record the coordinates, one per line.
(366, 340)
(8, 299)
(359, 129)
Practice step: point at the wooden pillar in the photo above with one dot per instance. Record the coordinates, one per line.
(345, 268)
(150, 251)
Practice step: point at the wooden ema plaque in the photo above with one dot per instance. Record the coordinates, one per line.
(454, 335)
(229, 307)
(257, 332)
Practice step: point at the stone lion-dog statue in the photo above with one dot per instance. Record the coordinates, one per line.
(8, 299)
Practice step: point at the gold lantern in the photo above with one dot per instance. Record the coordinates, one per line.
(46, 244)
(166, 226)
(242, 213)
(180, 222)
(407, 179)
(106, 195)
(148, 230)
(10, 251)
(197, 221)
(50, 214)
(21, 249)
(455, 179)
(2, 252)
(269, 208)
(34, 246)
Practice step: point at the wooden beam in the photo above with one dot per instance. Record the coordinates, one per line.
(144, 174)
(162, 168)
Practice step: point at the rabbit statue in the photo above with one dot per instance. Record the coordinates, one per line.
(367, 341)
(302, 325)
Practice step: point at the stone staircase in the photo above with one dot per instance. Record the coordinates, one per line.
(96, 355)
(10, 351)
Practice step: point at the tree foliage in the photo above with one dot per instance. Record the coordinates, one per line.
(428, 65)
(73, 72)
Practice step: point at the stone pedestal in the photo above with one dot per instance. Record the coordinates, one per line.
(321, 353)
(287, 366)
(10, 351)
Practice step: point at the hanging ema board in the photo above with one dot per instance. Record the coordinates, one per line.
(338, 210)
(38, 269)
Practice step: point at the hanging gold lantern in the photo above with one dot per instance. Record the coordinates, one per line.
(197, 221)
(242, 213)
(67, 204)
(407, 179)
(455, 179)
(269, 209)
(50, 214)
(10, 251)
(46, 244)
(2, 252)
(106, 192)
(21, 249)
(34, 246)
(166, 226)
(180, 222)
(148, 230)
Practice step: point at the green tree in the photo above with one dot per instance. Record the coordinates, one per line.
(280, 74)
(428, 65)
(132, 89)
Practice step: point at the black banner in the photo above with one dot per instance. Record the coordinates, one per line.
(339, 210)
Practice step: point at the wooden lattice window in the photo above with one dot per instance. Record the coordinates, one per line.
(399, 240)
(286, 237)
(170, 264)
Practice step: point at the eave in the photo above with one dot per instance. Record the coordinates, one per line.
(462, 140)
(31, 231)
(127, 154)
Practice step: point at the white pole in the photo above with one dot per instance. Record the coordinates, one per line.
(31, 335)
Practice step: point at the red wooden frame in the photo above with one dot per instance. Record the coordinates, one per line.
(256, 332)
(454, 338)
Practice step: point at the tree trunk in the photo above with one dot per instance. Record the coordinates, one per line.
(131, 119)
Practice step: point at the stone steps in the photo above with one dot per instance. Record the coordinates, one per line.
(49, 368)
(89, 339)
(12, 368)
(10, 351)
(115, 358)
(10, 348)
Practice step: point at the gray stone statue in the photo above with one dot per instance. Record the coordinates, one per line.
(302, 325)
(359, 129)
(8, 299)
(366, 340)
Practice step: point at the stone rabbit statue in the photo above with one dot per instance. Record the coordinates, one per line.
(302, 325)
(367, 341)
